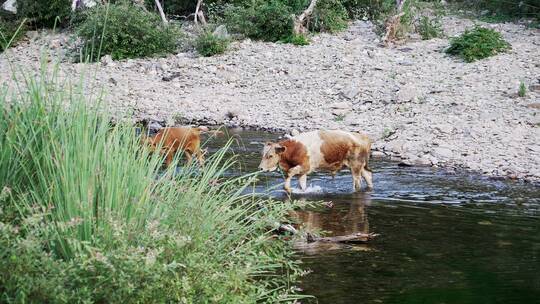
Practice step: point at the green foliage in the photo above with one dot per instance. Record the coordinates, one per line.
(45, 12)
(503, 10)
(522, 89)
(207, 44)
(86, 215)
(329, 16)
(371, 9)
(270, 20)
(429, 28)
(299, 40)
(11, 31)
(478, 43)
(125, 31)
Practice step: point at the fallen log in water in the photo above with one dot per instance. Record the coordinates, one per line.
(358, 237)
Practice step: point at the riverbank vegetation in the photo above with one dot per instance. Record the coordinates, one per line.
(277, 20)
(87, 215)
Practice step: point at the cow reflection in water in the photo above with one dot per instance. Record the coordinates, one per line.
(347, 216)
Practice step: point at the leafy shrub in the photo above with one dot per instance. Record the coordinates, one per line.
(500, 10)
(270, 20)
(45, 12)
(329, 16)
(372, 9)
(207, 44)
(125, 31)
(11, 31)
(86, 215)
(477, 43)
(429, 28)
(297, 40)
(522, 89)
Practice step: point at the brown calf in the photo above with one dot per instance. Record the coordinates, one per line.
(172, 140)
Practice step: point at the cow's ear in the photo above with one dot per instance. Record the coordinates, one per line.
(280, 149)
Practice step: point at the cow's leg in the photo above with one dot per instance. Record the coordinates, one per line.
(189, 157)
(169, 157)
(200, 157)
(290, 174)
(368, 176)
(303, 182)
(357, 178)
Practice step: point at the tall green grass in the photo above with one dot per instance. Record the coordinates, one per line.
(87, 215)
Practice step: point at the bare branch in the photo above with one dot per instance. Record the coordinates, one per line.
(299, 27)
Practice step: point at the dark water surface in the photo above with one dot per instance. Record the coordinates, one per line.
(444, 237)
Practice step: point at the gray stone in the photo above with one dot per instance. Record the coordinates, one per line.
(407, 93)
(107, 60)
(32, 35)
(10, 6)
(351, 92)
(444, 128)
(534, 88)
(442, 152)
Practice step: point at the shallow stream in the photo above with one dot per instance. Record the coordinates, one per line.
(444, 237)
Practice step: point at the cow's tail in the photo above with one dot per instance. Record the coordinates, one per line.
(364, 155)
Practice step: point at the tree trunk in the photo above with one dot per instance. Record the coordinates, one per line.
(393, 22)
(299, 22)
(161, 13)
(199, 15)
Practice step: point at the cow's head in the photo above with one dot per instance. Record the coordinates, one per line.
(270, 156)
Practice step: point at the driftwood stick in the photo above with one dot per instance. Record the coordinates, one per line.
(359, 237)
(161, 13)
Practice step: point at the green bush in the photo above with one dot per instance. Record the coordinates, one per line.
(477, 43)
(45, 12)
(125, 31)
(207, 44)
(429, 28)
(501, 10)
(522, 91)
(86, 215)
(329, 16)
(270, 20)
(11, 31)
(297, 40)
(372, 9)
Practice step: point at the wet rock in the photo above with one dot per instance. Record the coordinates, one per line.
(534, 105)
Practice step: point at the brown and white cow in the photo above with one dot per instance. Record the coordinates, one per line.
(172, 140)
(327, 150)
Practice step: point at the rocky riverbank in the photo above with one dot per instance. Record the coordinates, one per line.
(417, 103)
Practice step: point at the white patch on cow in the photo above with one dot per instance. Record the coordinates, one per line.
(312, 141)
